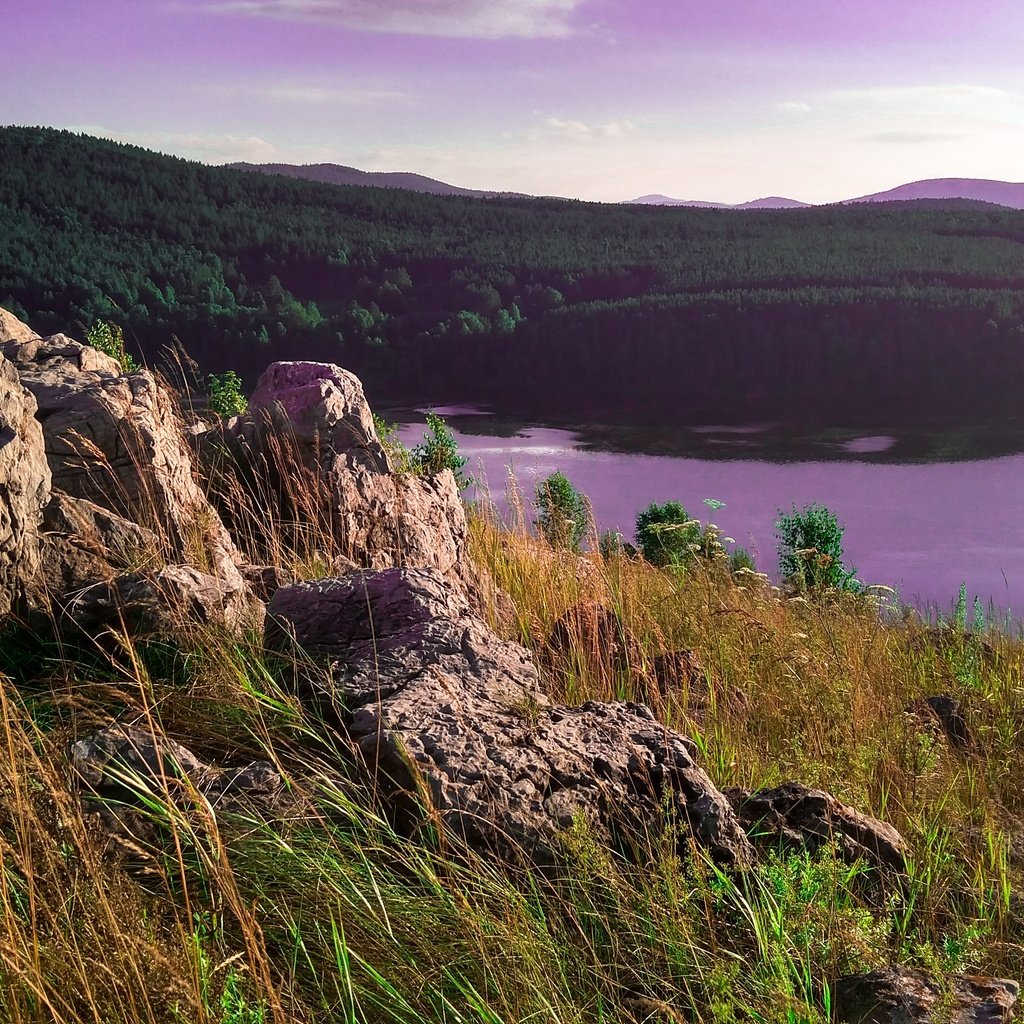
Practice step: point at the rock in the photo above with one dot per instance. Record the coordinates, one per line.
(678, 671)
(121, 765)
(794, 817)
(24, 487)
(439, 707)
(160, 603)
(316, 414)
(943, 715)
(592, 637)
(264, 581)
(898, 995)
(116, 440)
(84, 543)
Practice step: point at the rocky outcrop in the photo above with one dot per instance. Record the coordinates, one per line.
(24, 488)
(116, 440)
(898, 995)
(121, 766)
(441, 711)
(318, 414)
(794, 817)
(158, 603)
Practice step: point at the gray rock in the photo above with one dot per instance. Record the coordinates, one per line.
(898, 995)
(316, 414)
(24, 487)
(943, 715)
(160, 603)
(121, 766)
(84, 543)
(440, 708)
(792, 816)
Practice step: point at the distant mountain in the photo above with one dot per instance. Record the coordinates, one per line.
(338, 174)
(1002, 193)
(767, 203)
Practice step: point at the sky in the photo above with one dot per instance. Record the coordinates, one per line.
(725, 100)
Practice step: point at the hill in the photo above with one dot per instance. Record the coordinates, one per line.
(1002, 193)
(338, 174)
(767, 203)
(549, 308)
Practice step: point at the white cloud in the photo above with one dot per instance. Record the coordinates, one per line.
(578, 131)
(481, 19)
(317, 95)
(793, 108)
(212, 149)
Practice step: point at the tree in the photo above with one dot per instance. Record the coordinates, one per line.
(563, 513)
(438, 451)
(666, 535)
(811, 550)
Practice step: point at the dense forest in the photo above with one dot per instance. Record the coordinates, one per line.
(557, 308)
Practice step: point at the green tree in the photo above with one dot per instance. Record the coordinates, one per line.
(563, 513)
(811, 550)
(438, 451)
(109, 339)
(666, 535)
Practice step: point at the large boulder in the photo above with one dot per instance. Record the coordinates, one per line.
(24, 488)
(442, 711)
(116, 440)
(898, 995)
(317, 414)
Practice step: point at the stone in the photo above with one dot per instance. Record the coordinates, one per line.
(898, 995)
(441, 710)
(116, 440)
(316, 415)
(25, 482)
(592, 637)
(943, 715)
(794, 817)
(161, 603)
(120, 764)
(264, 581)
(84, 543)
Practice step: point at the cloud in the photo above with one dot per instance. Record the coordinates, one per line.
(793, 108)
(479, 19)
(912, 138)
(578, 131)
(315, 95)
(212, 149)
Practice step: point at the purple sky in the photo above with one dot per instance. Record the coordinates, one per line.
(600, 99)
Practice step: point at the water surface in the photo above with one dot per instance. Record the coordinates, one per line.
(920, 527)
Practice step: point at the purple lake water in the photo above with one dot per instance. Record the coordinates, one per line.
(921, 528)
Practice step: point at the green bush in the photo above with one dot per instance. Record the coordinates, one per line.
(811, 550)
(563, 513)
(109, 339)
(225, 391)
(666, 535)
(439, 451)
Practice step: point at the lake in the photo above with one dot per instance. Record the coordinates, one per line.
(921, 527)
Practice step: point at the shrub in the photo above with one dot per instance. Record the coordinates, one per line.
(109, 339)
(811, 550)
(439, 451)
(398, 455)
(741, 558)
(562, 512)
(667, 535)
(612, 544)
(225, 390)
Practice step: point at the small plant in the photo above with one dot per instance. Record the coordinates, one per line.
(226, 398)
(562, 512)
(439, 451)
(108, 338)
(667, 535)
(740, 559)
(398, 455)
(612, 544)
(811, 550)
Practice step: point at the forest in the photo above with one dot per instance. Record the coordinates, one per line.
(563, 309)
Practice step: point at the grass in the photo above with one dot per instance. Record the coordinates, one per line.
(334, 915)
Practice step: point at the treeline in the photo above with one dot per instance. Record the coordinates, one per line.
(561, 308)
